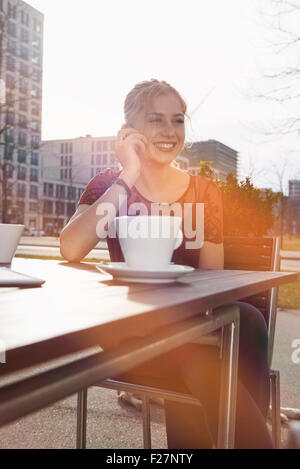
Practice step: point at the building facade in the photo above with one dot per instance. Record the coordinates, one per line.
(67, 167)
(21, 53)
(224, 160)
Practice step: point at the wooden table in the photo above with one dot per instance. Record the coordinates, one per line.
(78, 308)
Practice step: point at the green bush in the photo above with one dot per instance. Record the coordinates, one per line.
(248, 211)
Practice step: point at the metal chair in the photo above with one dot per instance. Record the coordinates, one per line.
(240, 254)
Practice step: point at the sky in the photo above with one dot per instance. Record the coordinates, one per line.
(215, 52)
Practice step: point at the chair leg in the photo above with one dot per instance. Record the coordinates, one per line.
(81, 419)
(146, 422)
(275, 406)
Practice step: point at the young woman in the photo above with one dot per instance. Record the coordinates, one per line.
(147, 144)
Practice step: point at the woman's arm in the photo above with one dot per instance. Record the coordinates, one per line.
(82, 232)
(211, 256)
(80, 235)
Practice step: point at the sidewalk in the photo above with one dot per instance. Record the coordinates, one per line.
(48, 247)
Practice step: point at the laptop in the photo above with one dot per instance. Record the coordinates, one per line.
(10, 278)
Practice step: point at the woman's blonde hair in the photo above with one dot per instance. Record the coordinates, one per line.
(143, 92)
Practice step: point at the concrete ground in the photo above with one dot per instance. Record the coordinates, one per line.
(111, 425)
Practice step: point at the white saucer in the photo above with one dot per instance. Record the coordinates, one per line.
(120, 271)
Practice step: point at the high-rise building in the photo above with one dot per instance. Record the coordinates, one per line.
(21, 59)
(223, 159)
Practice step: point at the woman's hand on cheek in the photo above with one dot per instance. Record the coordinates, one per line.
(130, 147)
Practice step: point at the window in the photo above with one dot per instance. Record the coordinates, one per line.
(34, 175)
(36, 75)
(33, 191)
(35, 141)
(36, 58)
(112, 145)
(70, 173)
(24, 36)
(67, 149)
(24, 52)
(48, 207)
(93, 146)
(34, 160)
(104, 160)
(9, 136)
(99, 146)
(10, 81)
(34, 125)
(66, 161)
(33, 206)
(37, 26)
(66, 174)
(61, 174)
(21, 173)
(59, 208)
(9, 170)
(99, 159)
(12, 11)
(22, 156)
(70, 209)
(35, 109)
(71, 193)
(10, 63)
(11, 29)
(61, 161)
(11, 46)
(10, 118)
(8, 152)
(70, 160)
(23, 105)
(92, 172)
(22, 121)
(24, 18)
(35, 92)
(23, 86)
(22, 138)
(92, 160)
(24, 69)
(71, 147)
(21, 190)
(36, 42)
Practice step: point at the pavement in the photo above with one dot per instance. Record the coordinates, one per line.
(48, 247)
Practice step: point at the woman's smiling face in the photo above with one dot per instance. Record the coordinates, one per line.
(162, 123)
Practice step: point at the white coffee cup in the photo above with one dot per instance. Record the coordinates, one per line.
(148, 241)
(9, 239)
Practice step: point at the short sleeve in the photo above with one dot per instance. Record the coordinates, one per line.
(213, 214)
(98, 186)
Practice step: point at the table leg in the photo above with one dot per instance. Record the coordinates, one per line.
(81, 418)
(228, 390)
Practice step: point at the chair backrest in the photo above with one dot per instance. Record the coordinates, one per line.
(257, 254)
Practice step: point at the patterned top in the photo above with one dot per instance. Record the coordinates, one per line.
(200, 189)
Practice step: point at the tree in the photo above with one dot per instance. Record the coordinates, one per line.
(281, 78)
(248, 211)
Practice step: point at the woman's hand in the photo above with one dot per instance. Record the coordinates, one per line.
(128, 146)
